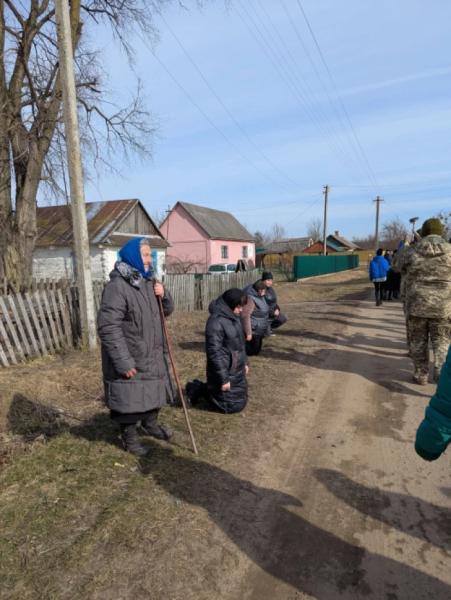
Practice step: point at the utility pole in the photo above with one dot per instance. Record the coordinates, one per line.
(376, 233)
(78, 208)
(326, 199)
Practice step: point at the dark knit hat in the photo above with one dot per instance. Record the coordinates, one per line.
(233, 297)
(267, 275)
(432, 227)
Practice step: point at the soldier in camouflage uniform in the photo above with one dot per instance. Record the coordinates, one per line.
(426, 267)
(398, 261)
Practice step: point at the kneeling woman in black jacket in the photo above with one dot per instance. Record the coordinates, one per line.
(226, 354)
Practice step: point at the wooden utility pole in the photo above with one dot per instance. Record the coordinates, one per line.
(78, 207)
(376, 233)
(326, 199)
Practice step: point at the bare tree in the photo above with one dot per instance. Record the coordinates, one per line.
(392, 232)
(286, 266)
(315, 229)
(261, 239)
(445, 218)
(31, 135)
(366, 243)
(277, 233)
(184, 265)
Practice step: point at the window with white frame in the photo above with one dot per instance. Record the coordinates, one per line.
(244, 251)
(224, 252)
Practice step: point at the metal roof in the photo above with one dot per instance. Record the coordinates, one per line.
(337, 241)
(54, 223)
(217, 224)
(119, 239)
(288, 245)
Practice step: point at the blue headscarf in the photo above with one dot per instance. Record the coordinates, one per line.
(130, 253)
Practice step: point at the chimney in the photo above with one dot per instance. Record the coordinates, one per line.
(337, 234)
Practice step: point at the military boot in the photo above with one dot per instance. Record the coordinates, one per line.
(420, 378)
(131, 441)
(436, 375)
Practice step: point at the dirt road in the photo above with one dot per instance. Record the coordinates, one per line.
(348, 510)
(314, 491)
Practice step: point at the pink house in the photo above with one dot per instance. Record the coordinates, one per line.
(200, 237)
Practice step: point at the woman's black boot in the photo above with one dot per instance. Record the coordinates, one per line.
(131, 441)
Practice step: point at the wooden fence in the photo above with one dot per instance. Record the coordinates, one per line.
(193, 292)
(35, 323)
(45, 318)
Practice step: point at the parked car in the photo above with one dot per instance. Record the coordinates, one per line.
(221, 269)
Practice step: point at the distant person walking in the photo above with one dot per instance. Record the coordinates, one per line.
(276, 318)
(426, 267)
(379, 267)
(130, 329)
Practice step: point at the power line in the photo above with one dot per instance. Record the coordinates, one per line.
(285, 74)
(211, 122)
(334, 86)
(226, 109)
(324, 86)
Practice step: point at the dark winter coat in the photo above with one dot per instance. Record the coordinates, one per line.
(271, 300)
(226, 357)
(131, 334)
(379, 267)
(260, 315)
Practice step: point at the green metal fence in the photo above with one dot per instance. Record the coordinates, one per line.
(311, 266)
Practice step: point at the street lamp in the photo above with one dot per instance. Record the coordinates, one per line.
(413, 220)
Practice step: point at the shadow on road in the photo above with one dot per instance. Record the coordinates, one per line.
(335, 359)
(267, 525)
(408, 514)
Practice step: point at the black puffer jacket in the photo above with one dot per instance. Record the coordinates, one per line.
(226, 357)
(130, 330)
(271, 300)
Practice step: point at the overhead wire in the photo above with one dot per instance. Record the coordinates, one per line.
(340, 101)
(309, 94)
(286, 76)
(211, 122)
(225, 107)
(337, 113)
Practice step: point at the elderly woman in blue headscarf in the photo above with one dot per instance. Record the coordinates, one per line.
(133, 345)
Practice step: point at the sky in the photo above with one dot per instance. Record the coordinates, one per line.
(261, 103)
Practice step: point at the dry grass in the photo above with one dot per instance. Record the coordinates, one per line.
(82, 519)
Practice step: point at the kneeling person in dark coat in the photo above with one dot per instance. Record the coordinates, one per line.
(255, 317)
(130, 329)
(227, 364)
(276, 318)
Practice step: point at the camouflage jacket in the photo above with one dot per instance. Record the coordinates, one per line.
(426, 268)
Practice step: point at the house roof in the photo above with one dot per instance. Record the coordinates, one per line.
(119, 239)
(217, 224)
(54, 223)
(288, 245)
(337, 241)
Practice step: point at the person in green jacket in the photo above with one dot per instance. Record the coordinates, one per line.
(434, 432)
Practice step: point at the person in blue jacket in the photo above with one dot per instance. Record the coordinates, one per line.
(434, 433)
(379, 267)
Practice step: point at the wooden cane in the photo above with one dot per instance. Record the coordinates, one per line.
(176, 377)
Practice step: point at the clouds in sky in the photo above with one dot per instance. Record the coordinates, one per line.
(390, 63)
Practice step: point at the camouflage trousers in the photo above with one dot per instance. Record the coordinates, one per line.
(419, 331)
